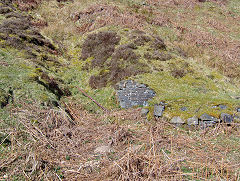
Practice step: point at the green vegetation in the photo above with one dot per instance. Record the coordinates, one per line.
(16, 77)
(186, 51)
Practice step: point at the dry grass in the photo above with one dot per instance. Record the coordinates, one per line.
(59, 148)
(26, 5)
(48, 144)
(206, 27)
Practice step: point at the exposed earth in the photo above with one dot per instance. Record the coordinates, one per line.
(119, 90)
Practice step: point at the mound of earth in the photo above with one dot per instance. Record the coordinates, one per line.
(116, 61)
(17, 31)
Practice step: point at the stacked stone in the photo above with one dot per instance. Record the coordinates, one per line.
(131, 93)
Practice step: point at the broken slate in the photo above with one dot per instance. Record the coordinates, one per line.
(207, 120)
(131, 93)
(226, 118)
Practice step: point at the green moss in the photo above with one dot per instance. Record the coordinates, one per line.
(19, 75)
(195, 91)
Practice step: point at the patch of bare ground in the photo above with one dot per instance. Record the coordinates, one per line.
(64, 148)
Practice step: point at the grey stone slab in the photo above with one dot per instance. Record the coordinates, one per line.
(226, 118)
(207, 117)
(158, 110)
(192, 121)
(131, 93)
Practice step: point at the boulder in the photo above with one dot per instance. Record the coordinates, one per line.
(207, 117)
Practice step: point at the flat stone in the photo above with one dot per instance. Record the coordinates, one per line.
(238, 109)
(103, 149)
(177, 120)
(192, 121)
(183, 109)
(226, 118)
(158, 110)
(144, 112)
(221, 106)
(207, 117)
(130, 93)
(207, 120)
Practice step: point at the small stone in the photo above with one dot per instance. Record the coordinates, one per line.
(192, 121)
(103, 149)
(238, 109)
(183, 108)
(226, 118)
(158, 110)
(222, 106)
(144, 112)
(177, 120)
(163, 103)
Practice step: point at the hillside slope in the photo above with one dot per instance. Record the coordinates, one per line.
(59, 58)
